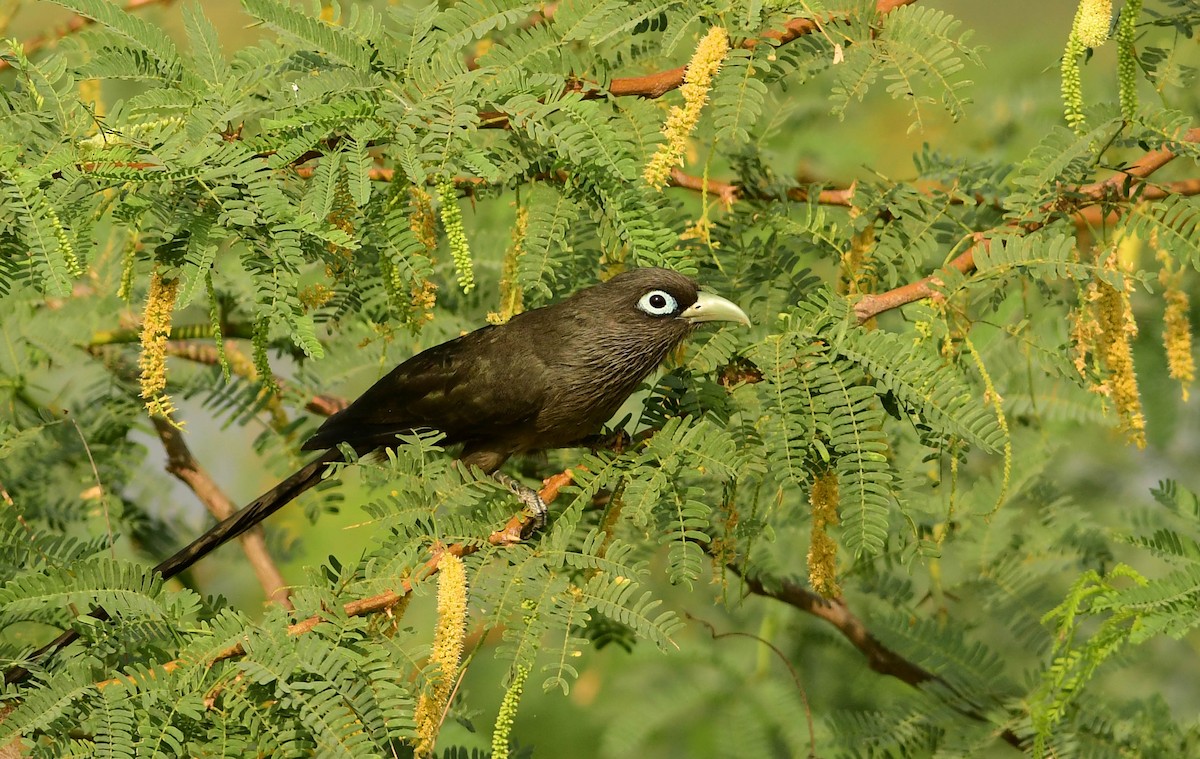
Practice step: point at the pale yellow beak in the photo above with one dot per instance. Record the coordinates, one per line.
(714, 308)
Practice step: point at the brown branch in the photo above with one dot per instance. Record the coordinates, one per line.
(660, 83)
(879, 657)
(1119, 187)
(509, 534)
(74, 26)
(729, 192)
(184, 466)
(321, 405)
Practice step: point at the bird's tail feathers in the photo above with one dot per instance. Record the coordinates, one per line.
(249, 515)
(232, 526)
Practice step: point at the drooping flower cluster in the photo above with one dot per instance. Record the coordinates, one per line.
(701, 70)
(822, 550)
(1103, 327)
(447, 651)
(456, 236)
(1127, 66)
(508, 711)
(1090, 29)
(512, 295)
(156, 328)
(1177, 325)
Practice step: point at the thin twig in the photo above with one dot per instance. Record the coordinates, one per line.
(812, 732)
(880, 658)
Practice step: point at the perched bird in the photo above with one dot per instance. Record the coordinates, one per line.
(548, 378)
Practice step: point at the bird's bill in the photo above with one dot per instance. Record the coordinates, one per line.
(714, 308)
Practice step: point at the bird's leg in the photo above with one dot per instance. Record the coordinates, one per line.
(534, 505)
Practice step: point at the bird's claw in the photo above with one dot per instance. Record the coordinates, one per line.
(535, 507)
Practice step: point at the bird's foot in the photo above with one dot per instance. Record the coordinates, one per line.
(535, 507)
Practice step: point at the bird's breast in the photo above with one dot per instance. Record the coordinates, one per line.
(591, 386)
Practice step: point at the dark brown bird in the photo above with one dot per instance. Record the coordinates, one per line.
(548, 378)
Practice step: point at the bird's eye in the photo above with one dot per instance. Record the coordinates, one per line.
(658, 303)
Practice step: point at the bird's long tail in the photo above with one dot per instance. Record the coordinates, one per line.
(249, 515)
(218, 535)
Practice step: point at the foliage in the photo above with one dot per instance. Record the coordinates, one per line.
(323, 201)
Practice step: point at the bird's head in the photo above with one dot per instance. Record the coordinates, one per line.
(640, 315)
(661, 299)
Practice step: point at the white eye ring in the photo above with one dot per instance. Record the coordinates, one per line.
(658, 303)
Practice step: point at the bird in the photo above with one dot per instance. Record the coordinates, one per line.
(547, 378)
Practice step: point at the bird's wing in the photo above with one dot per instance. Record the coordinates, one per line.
(475, 387)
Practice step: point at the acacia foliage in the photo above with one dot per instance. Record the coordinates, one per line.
(304, 195)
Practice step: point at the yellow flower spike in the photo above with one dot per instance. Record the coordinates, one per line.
(1177, 325)
(1089, 29)
(128, 266)
(1115, 345)
(512, 295)
(447, 650)
(1092, 22)
(422, 222)
(1177, 339)
(701, 69)
(822, 550)
(156, 328)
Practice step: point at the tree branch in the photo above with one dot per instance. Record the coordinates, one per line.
(184, 466)
(879, 657)
(1119, 187)
(509, 534)
(660, 83)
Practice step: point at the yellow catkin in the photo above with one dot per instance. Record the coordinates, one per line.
(156, 328)
(701, 70)
(129, 266)
(855, 276)
(1092, 22)
(1177, 339)
(1115, 347)
(508, 712)
(1177, 325)
(447, 651)
(822, 550)
(512, 295)
(421, 221)
(1089, 29)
